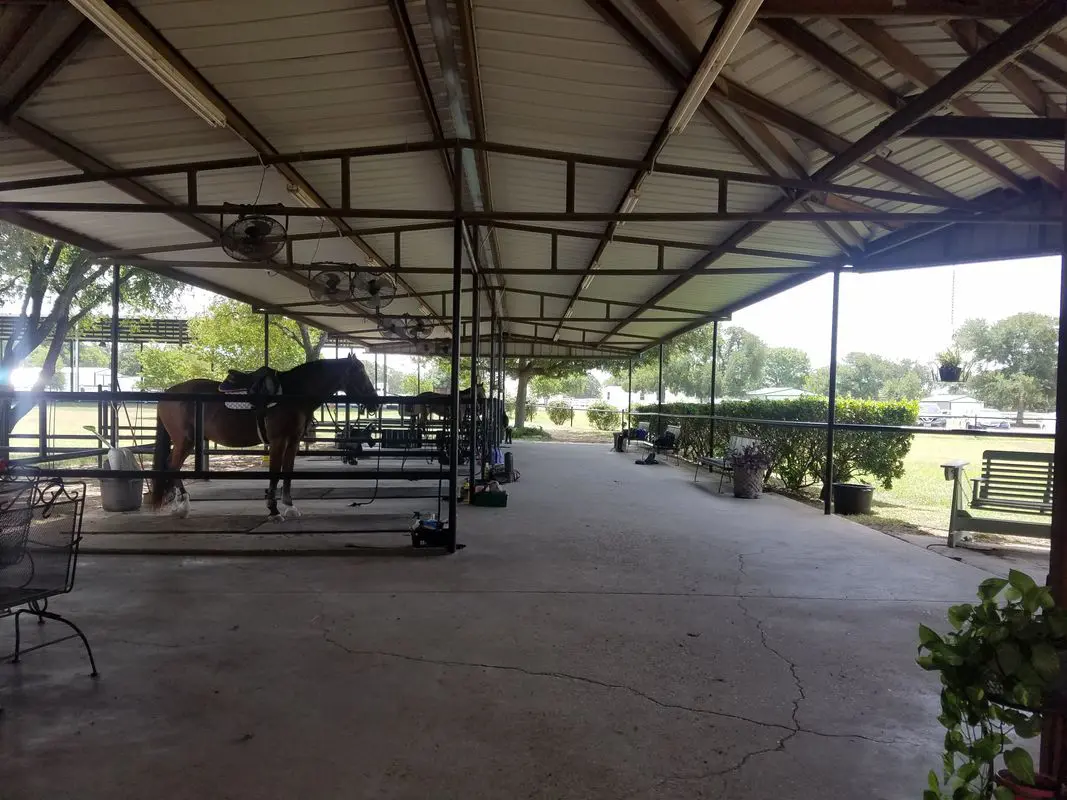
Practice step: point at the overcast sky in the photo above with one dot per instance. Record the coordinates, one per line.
(906, 314)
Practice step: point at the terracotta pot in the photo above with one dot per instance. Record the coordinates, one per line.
(1045, 789)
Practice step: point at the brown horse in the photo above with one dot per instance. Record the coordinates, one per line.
(283, 424)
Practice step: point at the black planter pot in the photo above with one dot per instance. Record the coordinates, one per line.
(949, 373)
(853, 498)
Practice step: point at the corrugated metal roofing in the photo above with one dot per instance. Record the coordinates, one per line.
(556, 75)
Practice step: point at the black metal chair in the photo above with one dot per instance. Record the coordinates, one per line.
(40, 528)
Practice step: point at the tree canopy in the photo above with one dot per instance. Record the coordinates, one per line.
(228, 335)
(1012, 361)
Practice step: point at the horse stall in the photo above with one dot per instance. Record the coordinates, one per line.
(365, 471)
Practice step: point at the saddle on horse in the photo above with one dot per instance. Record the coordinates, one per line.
(255, 389)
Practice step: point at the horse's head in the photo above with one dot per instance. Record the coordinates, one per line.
(358, 386)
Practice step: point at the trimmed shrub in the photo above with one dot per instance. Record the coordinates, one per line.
(558, 411)
(603, 416)
(800, 451)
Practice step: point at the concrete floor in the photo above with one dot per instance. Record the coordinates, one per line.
(617, 632)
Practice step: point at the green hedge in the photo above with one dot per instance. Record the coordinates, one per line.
(559, 411)
(603, 415)
(800, 453)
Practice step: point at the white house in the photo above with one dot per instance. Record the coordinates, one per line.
(777, 393)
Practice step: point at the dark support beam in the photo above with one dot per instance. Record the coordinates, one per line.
(116, 294)
(1013, 77)
(55, 61)
(988, 59)
(457, 331)
(240, 124)
(736, 95)
(898, 9)
(1001, 128)
(797, 37)
(1046, 17)
(1054, 734)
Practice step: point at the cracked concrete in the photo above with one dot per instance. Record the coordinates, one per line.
(617, 632)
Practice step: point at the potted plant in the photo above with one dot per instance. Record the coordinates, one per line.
(1000, 673)
(950, 366)
(750, 464)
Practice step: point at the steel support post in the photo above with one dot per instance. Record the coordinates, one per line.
(630, 394)
(115, 292)
(659, 394)
(1054, 735)
(492, 416)
(474, 405)
(457, 343)
(266, 340)
(831, 407)
(714, 371)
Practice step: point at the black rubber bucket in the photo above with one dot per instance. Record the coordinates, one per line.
(853, 498)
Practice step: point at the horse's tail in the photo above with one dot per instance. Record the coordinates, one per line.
(161, 485)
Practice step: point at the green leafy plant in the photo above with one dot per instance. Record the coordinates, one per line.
(950, 358)
(558, 411)
(800, 452)
(603, 416)
(530, 433)
(999, 666)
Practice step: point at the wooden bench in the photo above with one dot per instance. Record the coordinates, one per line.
(1010, 481)
(651, 445)
(724, 466)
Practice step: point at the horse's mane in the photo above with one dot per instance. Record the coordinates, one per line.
(309, 371)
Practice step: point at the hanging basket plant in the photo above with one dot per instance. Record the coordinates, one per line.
(949, 366)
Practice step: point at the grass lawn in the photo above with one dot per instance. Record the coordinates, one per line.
(580, 429)
(923, 497)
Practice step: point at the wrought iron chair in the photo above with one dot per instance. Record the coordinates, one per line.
(40, 528)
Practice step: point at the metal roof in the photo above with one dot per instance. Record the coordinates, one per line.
(594, 227)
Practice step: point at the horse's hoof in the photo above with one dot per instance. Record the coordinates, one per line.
(275, 518)
(181, 509)
(291, 512)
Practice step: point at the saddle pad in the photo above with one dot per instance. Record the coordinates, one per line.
(241, 405)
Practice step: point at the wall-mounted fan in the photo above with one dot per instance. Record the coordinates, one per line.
(392, 327)
(253, 237)
(373, 290)
(331, 287)
(418, 328)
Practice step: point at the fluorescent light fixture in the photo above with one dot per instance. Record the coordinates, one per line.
(585, 283)
(628, 204)
(737, 22)
(301, 196)
(121, 33)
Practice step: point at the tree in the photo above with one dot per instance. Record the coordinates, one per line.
(228, 335)
(576, 384)
(786, 366)
(744, 357)
(56, 287)
(526, 369)
(310, 341)
(1013, 361)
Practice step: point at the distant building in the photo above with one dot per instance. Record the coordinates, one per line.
(617, 396)
(777, 393)
(950, 410)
